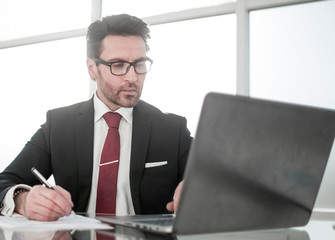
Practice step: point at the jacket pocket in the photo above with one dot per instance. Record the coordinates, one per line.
(155, 164)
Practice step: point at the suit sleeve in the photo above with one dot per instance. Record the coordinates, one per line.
(185, 143)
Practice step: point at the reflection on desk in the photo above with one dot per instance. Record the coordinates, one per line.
(134, 234)
(285, 234)
(315, 230)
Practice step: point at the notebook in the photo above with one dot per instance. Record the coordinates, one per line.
(254, 164)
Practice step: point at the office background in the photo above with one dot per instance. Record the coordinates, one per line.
(274, 49)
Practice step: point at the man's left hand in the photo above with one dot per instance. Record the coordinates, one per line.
(172, 206)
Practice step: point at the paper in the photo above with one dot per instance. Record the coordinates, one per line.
(18, 222)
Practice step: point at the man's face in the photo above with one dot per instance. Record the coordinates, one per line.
(119, 91)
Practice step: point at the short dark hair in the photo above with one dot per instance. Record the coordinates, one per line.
(119, 25)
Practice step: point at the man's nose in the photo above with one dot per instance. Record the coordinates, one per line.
(131, 74)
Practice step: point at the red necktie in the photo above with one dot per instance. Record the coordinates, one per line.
(109, 165)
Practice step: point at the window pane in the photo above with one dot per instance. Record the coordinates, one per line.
(147, 8)
(37, 78)
(292, 56)
(191, 58)
(22, 18)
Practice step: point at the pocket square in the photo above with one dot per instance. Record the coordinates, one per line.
(155, 164)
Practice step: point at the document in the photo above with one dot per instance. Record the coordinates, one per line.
(78, 222)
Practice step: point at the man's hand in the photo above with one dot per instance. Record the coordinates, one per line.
(172, 206)
(44, 204)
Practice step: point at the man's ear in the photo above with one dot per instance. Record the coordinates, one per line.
(92, 68)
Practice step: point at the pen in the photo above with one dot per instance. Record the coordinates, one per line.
(40, 177)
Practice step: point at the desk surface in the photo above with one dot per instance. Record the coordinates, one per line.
(314, 230)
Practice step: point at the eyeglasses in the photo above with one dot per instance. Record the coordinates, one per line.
(120, 68)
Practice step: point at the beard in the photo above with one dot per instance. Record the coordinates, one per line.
(115, 96)
(126, 96)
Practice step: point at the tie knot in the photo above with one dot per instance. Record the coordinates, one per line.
(112, 119)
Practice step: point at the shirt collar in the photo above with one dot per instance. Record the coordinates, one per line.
(100, 109)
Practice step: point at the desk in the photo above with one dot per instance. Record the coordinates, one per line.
(315, 230)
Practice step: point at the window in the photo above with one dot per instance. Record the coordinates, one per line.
(292, 55)
(21, 18)
(145, 8)
(54, 72)
(289, 57)
(191, 58)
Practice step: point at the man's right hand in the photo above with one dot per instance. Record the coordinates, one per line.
(44, 204)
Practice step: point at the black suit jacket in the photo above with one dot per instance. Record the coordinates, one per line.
(63, 146)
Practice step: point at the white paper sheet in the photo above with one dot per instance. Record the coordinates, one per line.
(18, 222)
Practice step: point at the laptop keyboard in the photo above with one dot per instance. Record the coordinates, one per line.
(158, 221)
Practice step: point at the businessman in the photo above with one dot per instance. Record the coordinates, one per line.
(111, 154)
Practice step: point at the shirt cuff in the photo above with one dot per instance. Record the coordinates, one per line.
(8, 205)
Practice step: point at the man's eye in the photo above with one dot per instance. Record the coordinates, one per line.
(119, 65)
(140, 64)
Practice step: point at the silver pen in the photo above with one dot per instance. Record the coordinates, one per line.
(40, 177)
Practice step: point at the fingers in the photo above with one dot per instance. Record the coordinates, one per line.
(64, 193)
(173, 206)
(177, 195)
(45, 204)
(170, 206)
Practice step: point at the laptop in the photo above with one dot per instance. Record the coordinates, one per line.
(254, 164)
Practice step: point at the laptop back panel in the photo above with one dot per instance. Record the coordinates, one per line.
(254, 164)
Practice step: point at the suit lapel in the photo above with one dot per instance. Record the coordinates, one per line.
(84, 148)
(139, 145)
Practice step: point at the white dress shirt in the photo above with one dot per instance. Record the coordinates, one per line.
(124, 203)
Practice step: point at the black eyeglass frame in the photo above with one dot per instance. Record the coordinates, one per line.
(98, 60)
